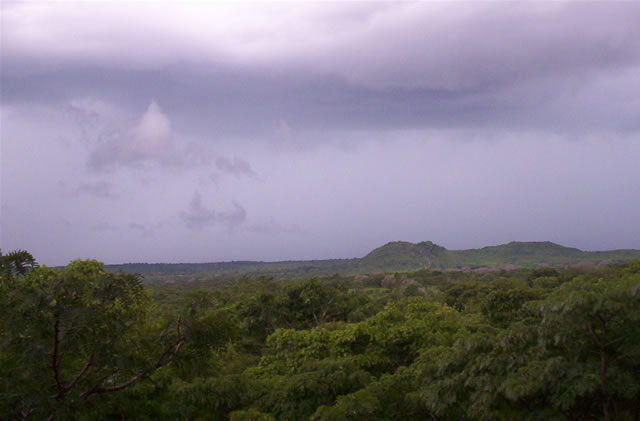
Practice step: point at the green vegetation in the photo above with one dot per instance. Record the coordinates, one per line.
(548, 343)
(392, 257)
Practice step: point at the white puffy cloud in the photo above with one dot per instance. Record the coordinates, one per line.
(149, 140)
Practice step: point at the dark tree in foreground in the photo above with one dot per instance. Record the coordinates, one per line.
(70, 336)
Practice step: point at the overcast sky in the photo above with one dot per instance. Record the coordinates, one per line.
(159, 131)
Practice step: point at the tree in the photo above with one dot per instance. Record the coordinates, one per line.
(71, 336)
(593, 325)
(16, 264)
(572, 355)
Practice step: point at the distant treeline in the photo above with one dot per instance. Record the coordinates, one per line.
(392, 257)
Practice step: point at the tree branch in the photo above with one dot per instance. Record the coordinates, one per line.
(54, 356)
(166, 357)
(598, 340)
(114, 388)
(77, 378)
(603, 378)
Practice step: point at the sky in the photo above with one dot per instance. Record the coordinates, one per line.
(162, 131)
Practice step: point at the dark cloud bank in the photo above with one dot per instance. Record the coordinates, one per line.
(284, 131)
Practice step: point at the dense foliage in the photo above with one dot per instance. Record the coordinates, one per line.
(545, 344)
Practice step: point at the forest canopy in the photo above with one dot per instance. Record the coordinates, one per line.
(82, 342)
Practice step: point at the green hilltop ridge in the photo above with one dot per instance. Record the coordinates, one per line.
(533, 254)
(396, 256)
(402, 255)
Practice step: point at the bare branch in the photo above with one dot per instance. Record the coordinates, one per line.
(55, 357)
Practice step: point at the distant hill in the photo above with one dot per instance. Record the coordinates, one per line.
(404, 255)
(395, 256)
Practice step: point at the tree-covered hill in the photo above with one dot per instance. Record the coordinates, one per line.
(530, 254)
(395, 256)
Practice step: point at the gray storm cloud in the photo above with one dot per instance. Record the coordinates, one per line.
(234, 218)
(145, 231)
(101, 189)
(435, 45)
(157, 131)
(236, 166)
(239, 70)
(198, 217)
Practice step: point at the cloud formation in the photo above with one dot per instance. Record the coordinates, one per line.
(102, 189)
(150, 140)
(233, 218)
(434, 45)
(198, 217)
(236, 166)
(352, 123)
(142, 229)
(237, 71)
